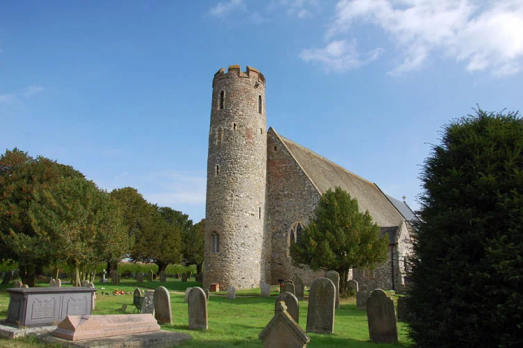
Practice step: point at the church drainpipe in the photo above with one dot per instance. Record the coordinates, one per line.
(392, 265)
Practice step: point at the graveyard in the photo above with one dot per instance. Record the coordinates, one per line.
(234, 322)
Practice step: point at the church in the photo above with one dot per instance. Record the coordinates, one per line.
(262, 190)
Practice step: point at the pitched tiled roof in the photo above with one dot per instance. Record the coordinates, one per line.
(404, 209)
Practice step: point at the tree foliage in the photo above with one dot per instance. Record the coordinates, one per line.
(340, 237)
(467, 277)
(193, 245)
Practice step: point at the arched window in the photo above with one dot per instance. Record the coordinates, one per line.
(215, 243)
(259, 104)
(295, 233)
(222, 99)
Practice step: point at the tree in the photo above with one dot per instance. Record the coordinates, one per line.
(467, 276)
(193, 245)
(340, 237)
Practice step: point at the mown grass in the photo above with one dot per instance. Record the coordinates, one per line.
(232, 323)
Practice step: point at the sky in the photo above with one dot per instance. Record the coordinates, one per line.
(121, 90)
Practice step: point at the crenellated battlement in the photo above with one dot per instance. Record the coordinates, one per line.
(235, 71)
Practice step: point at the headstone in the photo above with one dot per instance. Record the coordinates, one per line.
(85, 283)
(361, 300)
(151, 276)
(93, 299)
(265, 289)
(139, 277)
(299, 288)
(184, 277)
(18, 284)
(292, 304)
(352, 286)
(187, 290)
(52, 283)
(231, 293)
(197, 309)
(335, 277)
(282, 331)
(58, 283)
(162, 305)
(148, 303)
(322, 302)
(288, 287)
(207, 293)
(402, 309)
(381, 318)
(115, 277)
(104, 272)
(83, 327)
(25, 286)
(163, 277)
(137, 293)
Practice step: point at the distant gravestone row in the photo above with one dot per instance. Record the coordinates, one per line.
(55, 283)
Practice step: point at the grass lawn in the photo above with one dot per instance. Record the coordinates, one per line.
(232, 323)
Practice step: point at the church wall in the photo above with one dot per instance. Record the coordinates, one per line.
(291, 198)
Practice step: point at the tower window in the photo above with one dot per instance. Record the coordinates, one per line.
(259, 213)
(275, 148)
(222, 99)
(215, 243)
(261, 130)
(259, 104)
(217, 169)
(234, 126)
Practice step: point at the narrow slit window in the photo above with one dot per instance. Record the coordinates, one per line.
(222, 99)
(275, 148)
(217, 169)
(215, 243)
(259, 213)
(259, 104)
(261, 130)
(234, 126)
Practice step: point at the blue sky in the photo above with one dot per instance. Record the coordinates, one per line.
(121, 90)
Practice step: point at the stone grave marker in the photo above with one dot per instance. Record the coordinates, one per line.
(184, 277)
(85, 283)
(150, 276)
(299, 287)
(187, 290)
(163, 277)
(115, 277)
(197, 302)
(265, 289)
(352, 286)
(162, 305)
(402, 309)
(93, 299)
(292, 304)
(322, 304)
(148, 303)
(282, 331)
(140, 277)
(381, 318)
(18, 284)
(335, 277)
(361, 300)
(231, 293)
(52, 283)
(104, 272)
(288, 287)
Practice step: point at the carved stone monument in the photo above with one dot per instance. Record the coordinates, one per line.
(292, 304)
(104, 273)
(282, 331)
(265, 289)
(231, 293)
(162, 305)
(197, 309)
(150, 276)
(322, 302)
(381, 318)
(299, 288)
(148, 303)
(335, 277)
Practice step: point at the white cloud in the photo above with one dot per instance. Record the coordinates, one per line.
(484, 34)
(224, 8)
(296, 8)
(25, 93)
(339, 56)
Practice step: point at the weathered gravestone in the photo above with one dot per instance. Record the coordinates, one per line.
(18, 284)
(265, 289)
(187, 290)
(184, 277)
(140, 277)
(104, 272)
(361, 300)
(52, 283)
(352, 287)
(288, 287)
(197, 309)
(85, 283)
(335, 277)
(299, 288)
(163, 277)
(231, 293)
(162, 305)
(403, 311)
(282, 331)
(115, 277)
(381, 318)
(150, 276)
(148, 303)
(322, 302)
(292, 304)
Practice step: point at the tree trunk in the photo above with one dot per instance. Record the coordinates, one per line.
(77, 277)
(162, 266)
(343, 280)
(57, 273)
(199, 268)
(27, 275)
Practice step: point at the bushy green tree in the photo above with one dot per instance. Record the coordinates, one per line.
(467, 276)
(339, 237)
(193, 245)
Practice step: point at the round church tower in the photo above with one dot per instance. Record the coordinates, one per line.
(236, 178)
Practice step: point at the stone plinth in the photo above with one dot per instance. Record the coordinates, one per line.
(82, 327)
(47, 306)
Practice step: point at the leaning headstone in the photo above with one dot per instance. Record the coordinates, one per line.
(115, 277)
(139, 277)
(18, 284)
(299, 288)
(352, 287)
(288, 287)
(162, 305)
(282, 331)
(197, 309)
(184, 277)
(322, 302)
(361, 300)
(335, 277)
(381, 318)
(187, 290)
(150, 276)
(265, 289)
(231, 293)
(148, 303)
(292, 304)
(163, 277)
(402, 309)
